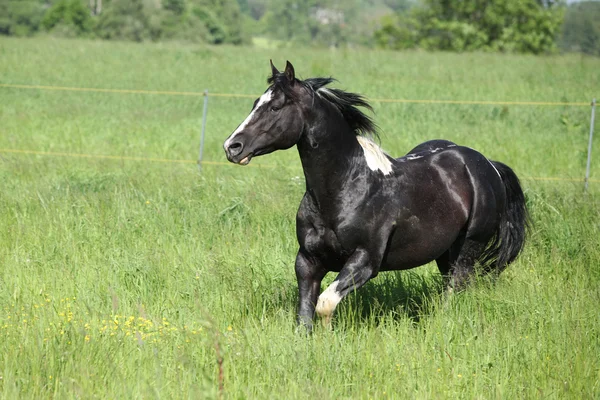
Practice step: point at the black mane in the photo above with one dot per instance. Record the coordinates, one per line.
(345, 102)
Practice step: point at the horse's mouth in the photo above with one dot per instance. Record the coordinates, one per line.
(245, 160)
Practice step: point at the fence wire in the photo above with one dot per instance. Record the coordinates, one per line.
(217, 163)
(381, 100)
(237, 95)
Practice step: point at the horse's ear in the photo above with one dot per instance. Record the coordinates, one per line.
(289, 72)
(274, 70)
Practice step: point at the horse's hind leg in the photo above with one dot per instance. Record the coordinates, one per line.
(464, 268)
(448, 259)
(443, 263)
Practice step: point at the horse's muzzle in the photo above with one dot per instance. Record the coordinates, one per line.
(234, 153)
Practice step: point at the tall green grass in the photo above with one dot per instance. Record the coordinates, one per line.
(128, 279)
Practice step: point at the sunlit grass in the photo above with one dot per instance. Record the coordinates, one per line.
(129, 279)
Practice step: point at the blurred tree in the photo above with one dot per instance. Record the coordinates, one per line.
(322, 22)
(244, 7)
(398, 5)
(175, 6)
(526, 26)
(288, 19)
(257, 8)
(397, 32)
(212, 21)
(70, 17)
(581, 30)
(223, 20)
(177, 22)
(20, 18)
(123, 20)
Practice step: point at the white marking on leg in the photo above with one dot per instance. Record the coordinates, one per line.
(265, 98)
(375, 156)
(328, 301)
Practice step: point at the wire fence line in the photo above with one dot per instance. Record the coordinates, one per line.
(205, 94)
(238, 95)
(218, 163)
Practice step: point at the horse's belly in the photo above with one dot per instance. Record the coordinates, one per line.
(404, 260)
(410, 252)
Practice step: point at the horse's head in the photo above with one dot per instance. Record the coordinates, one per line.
(275, 122)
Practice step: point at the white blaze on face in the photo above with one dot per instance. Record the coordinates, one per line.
(375, 156)
(265, 98)
(328, 301)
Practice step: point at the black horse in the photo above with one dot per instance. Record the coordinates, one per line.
(364, 211)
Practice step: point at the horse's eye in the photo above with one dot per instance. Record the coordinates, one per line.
(275, 109)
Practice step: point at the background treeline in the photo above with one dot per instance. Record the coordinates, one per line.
(525, 26)
(210, 21)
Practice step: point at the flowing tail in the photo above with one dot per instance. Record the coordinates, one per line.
(512, 232)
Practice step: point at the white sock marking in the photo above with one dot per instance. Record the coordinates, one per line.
(265, 98)
(375, 156)
(328, 301)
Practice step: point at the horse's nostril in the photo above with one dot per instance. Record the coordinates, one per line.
(235, 148)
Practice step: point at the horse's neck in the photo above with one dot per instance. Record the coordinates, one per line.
(329, 153)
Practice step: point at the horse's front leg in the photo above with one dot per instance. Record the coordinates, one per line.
(309, 274)
(360, 267)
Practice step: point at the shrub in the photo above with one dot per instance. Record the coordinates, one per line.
(71, 17)
(20, 18)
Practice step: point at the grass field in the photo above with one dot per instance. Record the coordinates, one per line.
(131, 279)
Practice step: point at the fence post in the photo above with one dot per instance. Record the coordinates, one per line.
(589, 155)
(204, 111)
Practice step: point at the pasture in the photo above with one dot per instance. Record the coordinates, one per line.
(147, 279)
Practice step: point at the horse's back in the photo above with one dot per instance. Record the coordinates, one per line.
(432, 145)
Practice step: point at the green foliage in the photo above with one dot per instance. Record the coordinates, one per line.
(123, 20)
(328, 23)
(175, 6)
(166, 25)
(398, 5)
(288, 20)
(256, 8)
(523, 26)
(581, 30)
(20, 18)
(223, 19)
(72, 17)
(397, 32)
(216, 30)
(211, 21)
(309, 21)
